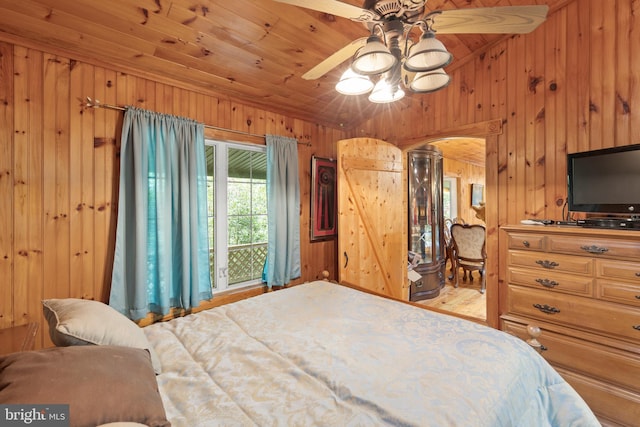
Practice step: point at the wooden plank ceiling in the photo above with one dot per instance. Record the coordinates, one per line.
(466, 150)
(252, 51)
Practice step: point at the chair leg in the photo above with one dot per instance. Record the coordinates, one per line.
(483, 280)
(456, 275)
(452, 262)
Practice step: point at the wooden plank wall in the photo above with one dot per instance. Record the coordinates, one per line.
(571, 85)
(59, 168)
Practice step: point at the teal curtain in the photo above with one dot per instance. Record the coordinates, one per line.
(161, 255)
(283, 211)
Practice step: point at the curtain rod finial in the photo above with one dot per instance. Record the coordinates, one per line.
(92, 103)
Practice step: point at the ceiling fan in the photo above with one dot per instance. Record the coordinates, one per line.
(388, 59)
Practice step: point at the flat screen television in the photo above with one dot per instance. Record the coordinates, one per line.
(605, 181)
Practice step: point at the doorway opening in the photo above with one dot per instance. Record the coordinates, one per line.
(464, 164)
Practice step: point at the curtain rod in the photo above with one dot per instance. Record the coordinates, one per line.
(94, 103)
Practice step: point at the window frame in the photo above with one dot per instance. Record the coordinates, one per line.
(453, 196)
(220, 269)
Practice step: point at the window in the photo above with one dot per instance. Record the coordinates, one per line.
(237, 213)
(449, 197)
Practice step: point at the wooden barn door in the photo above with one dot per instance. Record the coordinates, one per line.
(372, 224)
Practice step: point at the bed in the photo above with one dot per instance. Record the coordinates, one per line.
(317, 354)
(322, 354)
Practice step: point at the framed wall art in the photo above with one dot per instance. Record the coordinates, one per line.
(324, 199)
(477, 194)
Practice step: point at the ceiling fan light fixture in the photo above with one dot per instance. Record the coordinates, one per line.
(352, 83)
(385, 92)
(430, 81)
(428, 54)
(373, 58)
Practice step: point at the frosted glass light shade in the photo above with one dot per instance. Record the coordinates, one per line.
(428, 54)
(384, 92)
(373, 58)
(352, 83)
(429, 81)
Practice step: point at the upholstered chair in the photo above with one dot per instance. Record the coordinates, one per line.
(469, 252)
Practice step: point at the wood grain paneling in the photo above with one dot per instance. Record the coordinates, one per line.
(6, 184)
(572, 85)
(59, 171)
(252, 51)
(467, 174)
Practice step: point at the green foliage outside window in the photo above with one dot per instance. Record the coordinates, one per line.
(246, 213)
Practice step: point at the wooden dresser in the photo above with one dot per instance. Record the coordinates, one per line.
(581, 286)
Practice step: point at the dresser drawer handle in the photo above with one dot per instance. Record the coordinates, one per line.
(593, 249)
(547, 283)
(526, 243)
(638, 274)
(637, 296)
(546, 309)
(636, 327)
(547, 264)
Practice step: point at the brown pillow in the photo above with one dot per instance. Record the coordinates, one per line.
(101, 384)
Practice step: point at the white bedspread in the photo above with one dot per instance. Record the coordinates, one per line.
(321, 354)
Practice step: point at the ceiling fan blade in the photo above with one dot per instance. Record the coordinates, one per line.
(334, 7)
(489, 20)
(335, 59)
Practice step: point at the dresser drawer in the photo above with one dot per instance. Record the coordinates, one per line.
(554, 262)
(547, 280)
(591, 315)
(583, 313)
(612, 365)
(613, 404)
(611, 269)
(593, 246)
(526, 241)
(616, 291)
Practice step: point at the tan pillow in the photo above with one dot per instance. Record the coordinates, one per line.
(75, 321)
(101, 384)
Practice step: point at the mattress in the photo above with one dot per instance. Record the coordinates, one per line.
(322, 354)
